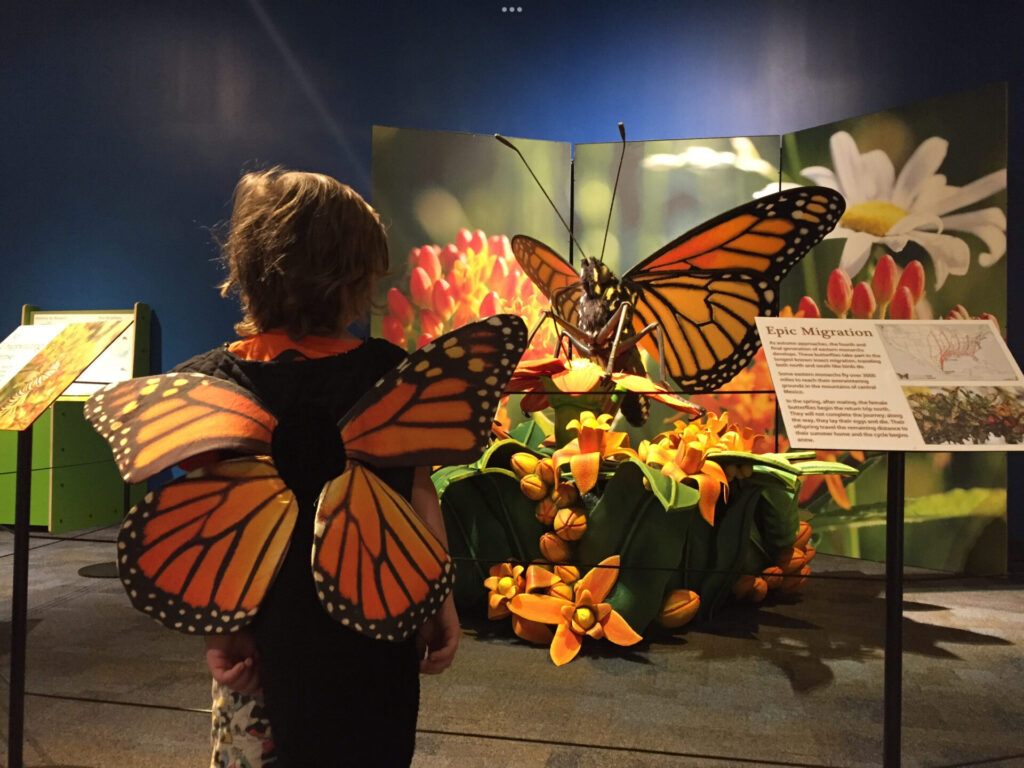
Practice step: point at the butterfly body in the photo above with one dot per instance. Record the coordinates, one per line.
(200, 553)
(703, 290)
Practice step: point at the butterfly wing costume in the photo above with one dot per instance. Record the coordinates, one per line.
(199, 554)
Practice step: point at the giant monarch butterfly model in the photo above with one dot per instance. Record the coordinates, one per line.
(698, 295)
(199, 554)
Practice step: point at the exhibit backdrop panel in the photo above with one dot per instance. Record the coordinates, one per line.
(925, 185)
(450, 203)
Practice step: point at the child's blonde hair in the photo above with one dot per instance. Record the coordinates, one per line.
(302, 252)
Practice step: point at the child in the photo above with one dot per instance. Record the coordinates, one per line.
(303, 252)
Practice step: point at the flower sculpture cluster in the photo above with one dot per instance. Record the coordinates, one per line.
(663, 532)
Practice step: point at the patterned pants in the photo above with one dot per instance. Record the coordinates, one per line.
(240, 732)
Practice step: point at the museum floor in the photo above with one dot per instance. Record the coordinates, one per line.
(795, 683)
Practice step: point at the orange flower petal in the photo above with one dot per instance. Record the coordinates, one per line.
(599, 580)
(584, 470)
(579, 380)
(531, 631)
(564, 646)
(543, 608)
(539, 578)
(617, 630)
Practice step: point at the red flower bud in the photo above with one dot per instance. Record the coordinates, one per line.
(431, 323)
(902, 307)
(839, 293)
(428, 260)
(913, 279)
(443, 301)
(883, 282)
(808, 307)
(425, 338)
(491, 305)
(498, 276)
(863, 303)
(393, 331)
(421, 287)
(498, 245)
(462, 239)
(399, 306)
(478, 242)
(448, 256)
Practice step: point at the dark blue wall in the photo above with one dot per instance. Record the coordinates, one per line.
(125, 124)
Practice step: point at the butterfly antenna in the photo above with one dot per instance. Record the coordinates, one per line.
(554, 207)
(622, 154)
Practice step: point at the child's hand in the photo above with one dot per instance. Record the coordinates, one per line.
(232, 659)
(438, 639)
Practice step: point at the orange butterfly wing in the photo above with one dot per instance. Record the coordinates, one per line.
(556, 278)
(437, 405)
(155, 422)
(199, 554)
(706, 287)
(377, 567)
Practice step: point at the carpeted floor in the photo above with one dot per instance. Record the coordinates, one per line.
(792, 683)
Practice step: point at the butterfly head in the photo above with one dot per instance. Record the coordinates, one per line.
(598, 281)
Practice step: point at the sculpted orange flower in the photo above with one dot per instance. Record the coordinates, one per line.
(595, 442)
(586, 615)
(506, 580)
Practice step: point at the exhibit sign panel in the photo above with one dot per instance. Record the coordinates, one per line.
(895, 385)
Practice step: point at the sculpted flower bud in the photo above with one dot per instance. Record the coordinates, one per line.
(565, 494)
(902, 307)
(567, 573)
(570, 523)
(553, 548)
(883, 281)
(545, 511)
(393, 331)
(462, 238)
(546, 471)
(839, 292)
(680, 606)
(523, 463)
(758, 590)
(421, 288)
(477, 242)
(533, 487)
(913, 280)
(399, 306)
(561, 590)
(772, 576)
(796, 583)
(743, 585)
(791, 560)
(803, 535)
(863, 303)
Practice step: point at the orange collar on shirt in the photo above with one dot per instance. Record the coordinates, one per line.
(270, 345)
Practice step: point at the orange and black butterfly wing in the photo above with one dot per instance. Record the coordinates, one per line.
(155, 422)
(706, 287)
(556, 278)
(437, 406)
(378, 569)
(199, 554)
